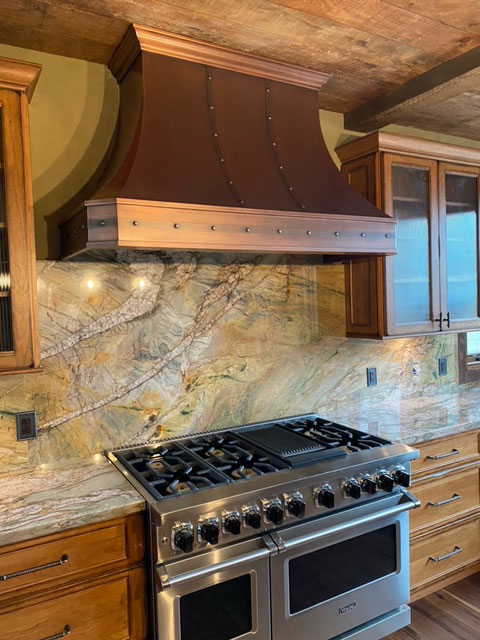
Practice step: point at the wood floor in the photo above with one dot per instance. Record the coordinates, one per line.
(452, 613)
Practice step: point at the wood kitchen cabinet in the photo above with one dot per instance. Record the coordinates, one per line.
(83, 583)
(19, 341)
(432, 284)
(445, 529)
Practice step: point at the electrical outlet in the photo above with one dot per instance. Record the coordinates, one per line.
(442, 367)
(26, 425)
(371, 377)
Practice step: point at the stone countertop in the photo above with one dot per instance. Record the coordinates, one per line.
(51, 498)
(416, 419)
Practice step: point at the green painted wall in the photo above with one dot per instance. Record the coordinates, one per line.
(73, 116)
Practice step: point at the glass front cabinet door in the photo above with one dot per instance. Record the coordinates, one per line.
(19, 345)
(432, 284)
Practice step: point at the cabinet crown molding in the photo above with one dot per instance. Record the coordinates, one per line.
(19, 76)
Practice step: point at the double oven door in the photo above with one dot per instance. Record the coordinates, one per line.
(315, 580)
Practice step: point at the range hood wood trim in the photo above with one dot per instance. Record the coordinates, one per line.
(150, 225)
(140, 38)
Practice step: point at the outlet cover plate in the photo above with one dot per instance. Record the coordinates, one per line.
(442, 367)
(371, 377)
(26, 425)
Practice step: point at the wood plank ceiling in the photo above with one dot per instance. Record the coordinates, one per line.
(370, 47)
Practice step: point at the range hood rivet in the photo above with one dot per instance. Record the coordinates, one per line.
(242, 201)
(303, 206)
(101, 223)
(230, 182)
(274, 144)
(279, 231)
(209, 77)
(176, 225)
(211, 106)
(281, 166)
(309, 233)
(135, 223)
(247, 229)
(290, 188)
(269, 117)
(387, 235)
(216, 135)
(268, 90)
(222, 160)
(363, 234)
(213, 227)
(337, 233)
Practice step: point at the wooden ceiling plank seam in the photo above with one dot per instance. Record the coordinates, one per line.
(401, 25)
(455, 12)
(51, 16)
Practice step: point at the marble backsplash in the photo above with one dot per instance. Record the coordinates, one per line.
(142, 346)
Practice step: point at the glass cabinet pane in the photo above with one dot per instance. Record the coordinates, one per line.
(6, 341)
(461, 246)
(411, 266)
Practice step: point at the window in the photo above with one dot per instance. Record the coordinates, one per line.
(469, 357)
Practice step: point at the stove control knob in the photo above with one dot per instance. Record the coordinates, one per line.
(296, 505)
(402, 477)
(232, 523)
(353, 489)
(183, 537)
(368, 484)
(385, 482)
(209, 530)
(326, 497)
(253, 518)
(274, 512)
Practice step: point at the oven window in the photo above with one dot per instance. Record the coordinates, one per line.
(220, 612)
(331, 571)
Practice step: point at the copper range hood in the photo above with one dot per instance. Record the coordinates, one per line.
(221, 151)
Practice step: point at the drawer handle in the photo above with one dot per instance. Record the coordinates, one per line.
(67, 630)
(455, 552)
(454, 498)
(453, 452)
(42, 567)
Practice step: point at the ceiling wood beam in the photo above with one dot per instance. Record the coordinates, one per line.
(436, 85)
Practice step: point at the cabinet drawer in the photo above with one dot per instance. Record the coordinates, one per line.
(444, 452)
(441, 499)
(439, 554)
(101, 611)
(68, 557)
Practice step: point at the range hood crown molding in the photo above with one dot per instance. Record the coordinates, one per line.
(222, 151)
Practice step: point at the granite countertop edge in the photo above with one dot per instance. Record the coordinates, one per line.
(49, 499)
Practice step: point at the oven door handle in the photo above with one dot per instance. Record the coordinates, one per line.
(406, 503)
(164, 580)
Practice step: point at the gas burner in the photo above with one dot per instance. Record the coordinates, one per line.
(335, 435)
(235, 458)
(170, 470)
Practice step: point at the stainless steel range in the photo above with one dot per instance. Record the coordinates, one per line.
(294, 528)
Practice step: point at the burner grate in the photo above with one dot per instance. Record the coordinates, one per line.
(235, 458)
(170, 470)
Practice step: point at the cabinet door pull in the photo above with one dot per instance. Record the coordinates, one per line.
(448, 320)
(67, 630)
(455, 552)
(454, 498)
(41, 567)
(453, 452)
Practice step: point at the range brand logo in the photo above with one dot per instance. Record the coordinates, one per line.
(347, 607)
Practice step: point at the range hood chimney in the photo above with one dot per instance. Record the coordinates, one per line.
(221, 151)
